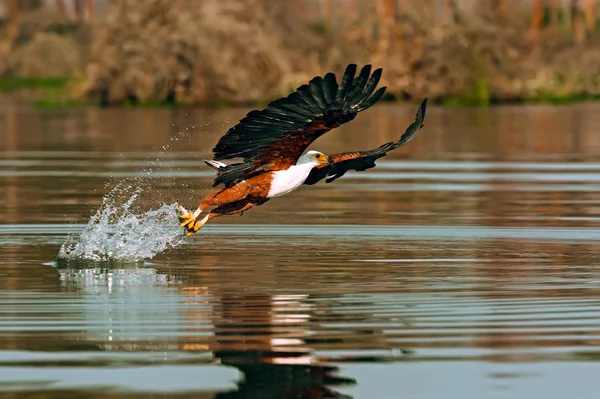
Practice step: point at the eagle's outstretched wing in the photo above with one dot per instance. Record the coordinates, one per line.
(274, 138)
(362, 160)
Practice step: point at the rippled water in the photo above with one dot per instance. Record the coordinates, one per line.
(465, 265)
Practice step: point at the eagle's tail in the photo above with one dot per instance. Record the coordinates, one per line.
(215, 164)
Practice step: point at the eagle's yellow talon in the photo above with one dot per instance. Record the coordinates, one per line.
(187, 222)
(185, 218)
(192, 228)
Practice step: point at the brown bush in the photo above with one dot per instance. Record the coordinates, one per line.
(46, 54)
(194, 52)
(37, 50)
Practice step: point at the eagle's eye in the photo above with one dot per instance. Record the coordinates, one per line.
(318, 156)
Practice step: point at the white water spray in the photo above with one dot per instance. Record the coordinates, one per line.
(116, 233)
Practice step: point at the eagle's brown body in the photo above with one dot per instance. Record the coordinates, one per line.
(271, 143)
(239, 197)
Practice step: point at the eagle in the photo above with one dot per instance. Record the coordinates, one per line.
(271, 145)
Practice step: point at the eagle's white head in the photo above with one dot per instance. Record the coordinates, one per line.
(315, 158)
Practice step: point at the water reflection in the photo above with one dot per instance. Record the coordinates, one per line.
(265, 337)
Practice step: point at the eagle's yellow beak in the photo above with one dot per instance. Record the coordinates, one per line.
(325, 160)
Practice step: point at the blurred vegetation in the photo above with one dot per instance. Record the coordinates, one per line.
(225, 52)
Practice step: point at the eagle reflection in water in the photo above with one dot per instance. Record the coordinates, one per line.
(265, 337)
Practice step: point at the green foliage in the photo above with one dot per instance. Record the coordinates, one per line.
(547, 97)
(51, 89)
(48, 102)
(221, 103)
(54, 83)
(478, 95)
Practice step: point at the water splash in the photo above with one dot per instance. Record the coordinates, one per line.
(117, 233)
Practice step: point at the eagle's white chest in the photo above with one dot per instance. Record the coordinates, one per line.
(288, 180)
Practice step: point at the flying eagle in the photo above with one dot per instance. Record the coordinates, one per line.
(271, 143)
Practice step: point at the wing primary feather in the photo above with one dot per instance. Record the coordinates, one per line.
(371, 84)
(346, 83)
(316, 90)
(330, 88)
(372, 100)
(358, 86)
(414, 127)
(305, 95)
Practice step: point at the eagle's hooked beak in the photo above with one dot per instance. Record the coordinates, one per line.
(323, 159)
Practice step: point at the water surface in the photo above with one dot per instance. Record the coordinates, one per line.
(465, 265)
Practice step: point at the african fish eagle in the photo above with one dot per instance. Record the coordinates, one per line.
(271, 143)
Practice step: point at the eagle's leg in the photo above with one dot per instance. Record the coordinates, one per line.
(188, 219)
(239, 193)
(226, 209)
